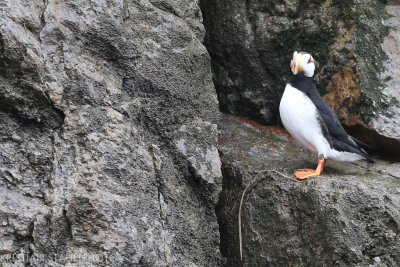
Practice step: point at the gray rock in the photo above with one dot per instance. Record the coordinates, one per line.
(388, 124)
(355, 42)
(108, 135)
(349, 216)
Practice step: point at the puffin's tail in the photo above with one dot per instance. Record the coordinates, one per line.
(367, 157)
(363, 152)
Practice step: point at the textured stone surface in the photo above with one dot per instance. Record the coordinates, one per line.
(389, 125)
(347, 217)
(355, 42)
(108, 134)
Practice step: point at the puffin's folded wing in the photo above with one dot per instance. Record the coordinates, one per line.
(341, 141)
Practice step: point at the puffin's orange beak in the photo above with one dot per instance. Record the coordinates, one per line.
(296, 64)
(293, 64)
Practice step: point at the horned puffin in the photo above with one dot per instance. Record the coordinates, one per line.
(307, 117)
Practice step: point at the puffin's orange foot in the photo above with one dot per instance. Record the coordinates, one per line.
(305, 170)
(303, 174)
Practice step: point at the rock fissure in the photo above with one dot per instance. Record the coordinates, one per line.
(157, 165)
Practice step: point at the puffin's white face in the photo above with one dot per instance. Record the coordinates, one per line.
(302, 62)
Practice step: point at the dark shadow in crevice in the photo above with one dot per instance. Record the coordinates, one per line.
(377, 145)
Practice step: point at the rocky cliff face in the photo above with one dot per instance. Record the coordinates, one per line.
(355, 43)
(108, 136)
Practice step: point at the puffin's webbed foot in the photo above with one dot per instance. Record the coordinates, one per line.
(303, 174)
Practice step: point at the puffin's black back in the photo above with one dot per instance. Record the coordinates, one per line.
(337, 136)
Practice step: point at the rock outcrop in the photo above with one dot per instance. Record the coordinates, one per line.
(355, 42)
(347, 217)
(108, 135)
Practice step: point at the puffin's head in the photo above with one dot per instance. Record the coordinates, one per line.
(302, 62)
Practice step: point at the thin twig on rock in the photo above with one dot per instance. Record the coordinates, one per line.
(249, 187)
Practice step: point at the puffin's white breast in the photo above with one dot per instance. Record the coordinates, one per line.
(300, 118)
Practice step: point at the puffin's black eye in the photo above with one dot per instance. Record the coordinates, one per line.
(310, 60)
